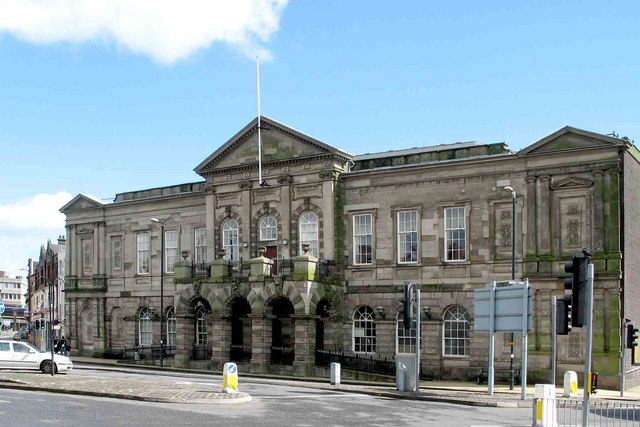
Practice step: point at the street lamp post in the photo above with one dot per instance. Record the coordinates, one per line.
(513, 274)
(50, 328)
(161, 289)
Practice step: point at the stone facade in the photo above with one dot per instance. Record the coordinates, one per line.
(313, 258)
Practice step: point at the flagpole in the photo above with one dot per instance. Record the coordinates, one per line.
(259, 136)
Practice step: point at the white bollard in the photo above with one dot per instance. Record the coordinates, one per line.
(230, 378)
(546, 405)
(570, 384)
(401, 370)
(335, 373)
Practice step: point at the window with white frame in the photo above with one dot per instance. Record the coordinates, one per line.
(201, 326)
(406, 339)
(200, 239)
(364, 331)
(145, 327)
(455, 235)
(143, 253)
(268, 228)
(309, 232)
(455, 332)
(362, 238)
(230, 240)
(171, 327)
(407, 237)
(170, 250)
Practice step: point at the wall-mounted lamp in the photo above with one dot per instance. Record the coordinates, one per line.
(380, 310)
(245, 245)
(284, 242)
(427, 312)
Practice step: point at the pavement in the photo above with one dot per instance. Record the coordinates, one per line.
(188, 392)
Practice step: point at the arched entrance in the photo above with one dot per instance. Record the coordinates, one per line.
(322, 311)
(282, 332)
(240, 350)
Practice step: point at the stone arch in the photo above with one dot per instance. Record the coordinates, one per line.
(240, 332)
(295, 230)
(283, 334)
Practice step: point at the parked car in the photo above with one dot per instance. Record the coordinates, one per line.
(19, 355)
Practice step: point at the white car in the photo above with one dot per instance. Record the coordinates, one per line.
(20, 355)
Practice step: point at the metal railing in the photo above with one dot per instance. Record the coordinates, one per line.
(238, 353)
(147, 352)
(282, 355)
(201, 352)
(357, 362)
(241, 268)
(601, 412)
(201, 270)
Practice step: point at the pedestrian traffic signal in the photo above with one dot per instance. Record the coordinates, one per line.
(407, 305)
(632, 336)
(578, 285)
(593, 383)
(37, 324)
(563, 315)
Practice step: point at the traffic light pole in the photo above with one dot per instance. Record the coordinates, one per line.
(589, 329)
(623, 362)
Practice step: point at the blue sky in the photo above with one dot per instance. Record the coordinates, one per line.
(107, 96)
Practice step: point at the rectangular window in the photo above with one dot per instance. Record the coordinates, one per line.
(143, 253)
(407, 237)
(200, 238)
(362, 229)
(170, 250)
(455, 236)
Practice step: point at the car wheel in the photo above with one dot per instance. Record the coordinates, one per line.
(46, 367)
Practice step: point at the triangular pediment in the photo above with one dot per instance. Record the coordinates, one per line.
(279, 143)
(569, 139)
(571, 183)
(80, 202)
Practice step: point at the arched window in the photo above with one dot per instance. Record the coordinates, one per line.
(309, 232)
(171, 327)
(364, 331)
(145, 327)
(201, 326)
(230, 240)
(455, 332)
(268, 228)
(406, 339)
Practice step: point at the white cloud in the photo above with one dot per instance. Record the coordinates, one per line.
(165, 30)
(26, 225)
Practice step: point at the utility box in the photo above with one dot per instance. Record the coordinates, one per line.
(406, 372)
(335, 373)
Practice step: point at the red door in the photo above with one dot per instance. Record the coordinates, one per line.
(272, 253)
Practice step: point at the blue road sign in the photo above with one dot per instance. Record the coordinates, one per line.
(233, 368)
(1, 307)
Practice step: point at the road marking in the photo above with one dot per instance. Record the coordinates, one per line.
(6, 401)
(315, 396)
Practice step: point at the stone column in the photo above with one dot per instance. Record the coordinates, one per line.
(210, 211)
(260, 343)
(184, 339)
(221, 339)
(598, 211)
(304, 345)
(543, 208)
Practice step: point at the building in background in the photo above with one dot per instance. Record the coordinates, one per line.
(12, 294)
(46, 292)
(276, 272)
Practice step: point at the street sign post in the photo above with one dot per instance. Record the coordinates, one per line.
(506, 308)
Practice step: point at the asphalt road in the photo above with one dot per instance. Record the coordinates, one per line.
(275, 403)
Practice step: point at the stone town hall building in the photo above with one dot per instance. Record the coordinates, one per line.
(267, 274)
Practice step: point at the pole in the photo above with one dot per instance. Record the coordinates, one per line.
(259, 136)
(492, 303)
(623, 361)
(161, 294)
(525, 337)
(50, 328)
(513, 277)
(553, 340)
(587, 359)
(417, 339)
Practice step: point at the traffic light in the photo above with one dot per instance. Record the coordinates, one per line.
(577, 283)
(407, 305)
(593, 383)
(563, 315)
(632, 336)
(43, 325)
(37, 324)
